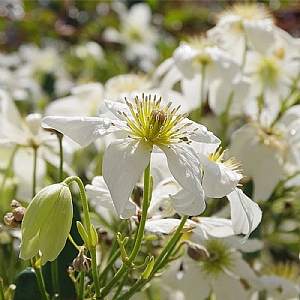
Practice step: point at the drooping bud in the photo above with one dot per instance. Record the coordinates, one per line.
(47, 222)
(82, 263)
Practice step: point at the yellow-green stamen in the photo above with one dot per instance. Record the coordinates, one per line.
(152, 124)
(231, 163)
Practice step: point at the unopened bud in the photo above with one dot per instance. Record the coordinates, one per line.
(82, 263)
(14, 219)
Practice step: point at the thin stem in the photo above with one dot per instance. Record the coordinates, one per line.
(88, 225)
(8, 171)
(1, 289)
(141, 229)
(54, 277)
(54, 264)
(40, 280)
(139, 237)
(61, 156)
(35, 149)
(81, 286)
(73, 242)
(167, 251)
(202, 91)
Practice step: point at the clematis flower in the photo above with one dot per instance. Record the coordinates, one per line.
(47, 223)
(196, 64)
(274, 148)
(240, 25)
(27, 134)
(148, 127)
(221, 178)
(217, 268)
(136, 33)
(84, 100)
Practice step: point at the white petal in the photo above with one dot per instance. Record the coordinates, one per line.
(9, 110)
(241, 268)
(218, 181)
(245, 214)
(216, 227)
(280, 288)
(228, 287)
(207, 142)
(99, 194)
(123, 164)
(68, 106)
(165, 226)
(185, 167)
(260, 34)
(82, 130)
(187, 203)
(115, 106)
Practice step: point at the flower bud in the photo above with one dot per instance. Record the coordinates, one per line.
(47, 223)
(82, 263)
(14, 219)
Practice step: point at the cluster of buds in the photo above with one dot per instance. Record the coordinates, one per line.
(14, 219)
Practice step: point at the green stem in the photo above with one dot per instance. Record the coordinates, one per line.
(61, 156)
(38, 270)
(54, 277)
(54, 264)
(81, 286)
(138, 241)
(167, 251)
(141, 229)
(1, 289)
(40, 280)
(88, 225)
(8, 170)
(35, 149)
(203, 67)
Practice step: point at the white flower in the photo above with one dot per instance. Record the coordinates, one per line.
(195, 65)
(216, 268)
(126, 86)
(273, 73)
(240, 25)
(274, 149)
(28, 134)
(136, 33)
(83, 101)
(148, 126)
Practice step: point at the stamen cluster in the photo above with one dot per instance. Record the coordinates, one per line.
(152, 124)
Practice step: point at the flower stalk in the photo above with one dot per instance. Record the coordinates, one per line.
(91, 244)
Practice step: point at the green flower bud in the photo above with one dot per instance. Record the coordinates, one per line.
(47, 222)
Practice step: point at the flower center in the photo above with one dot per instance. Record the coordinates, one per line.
(288, 270)
(201, 43)
(155, 125)
(247, 11)
(231, 163)
(271, 137)
(219, 257)
(268, 70)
